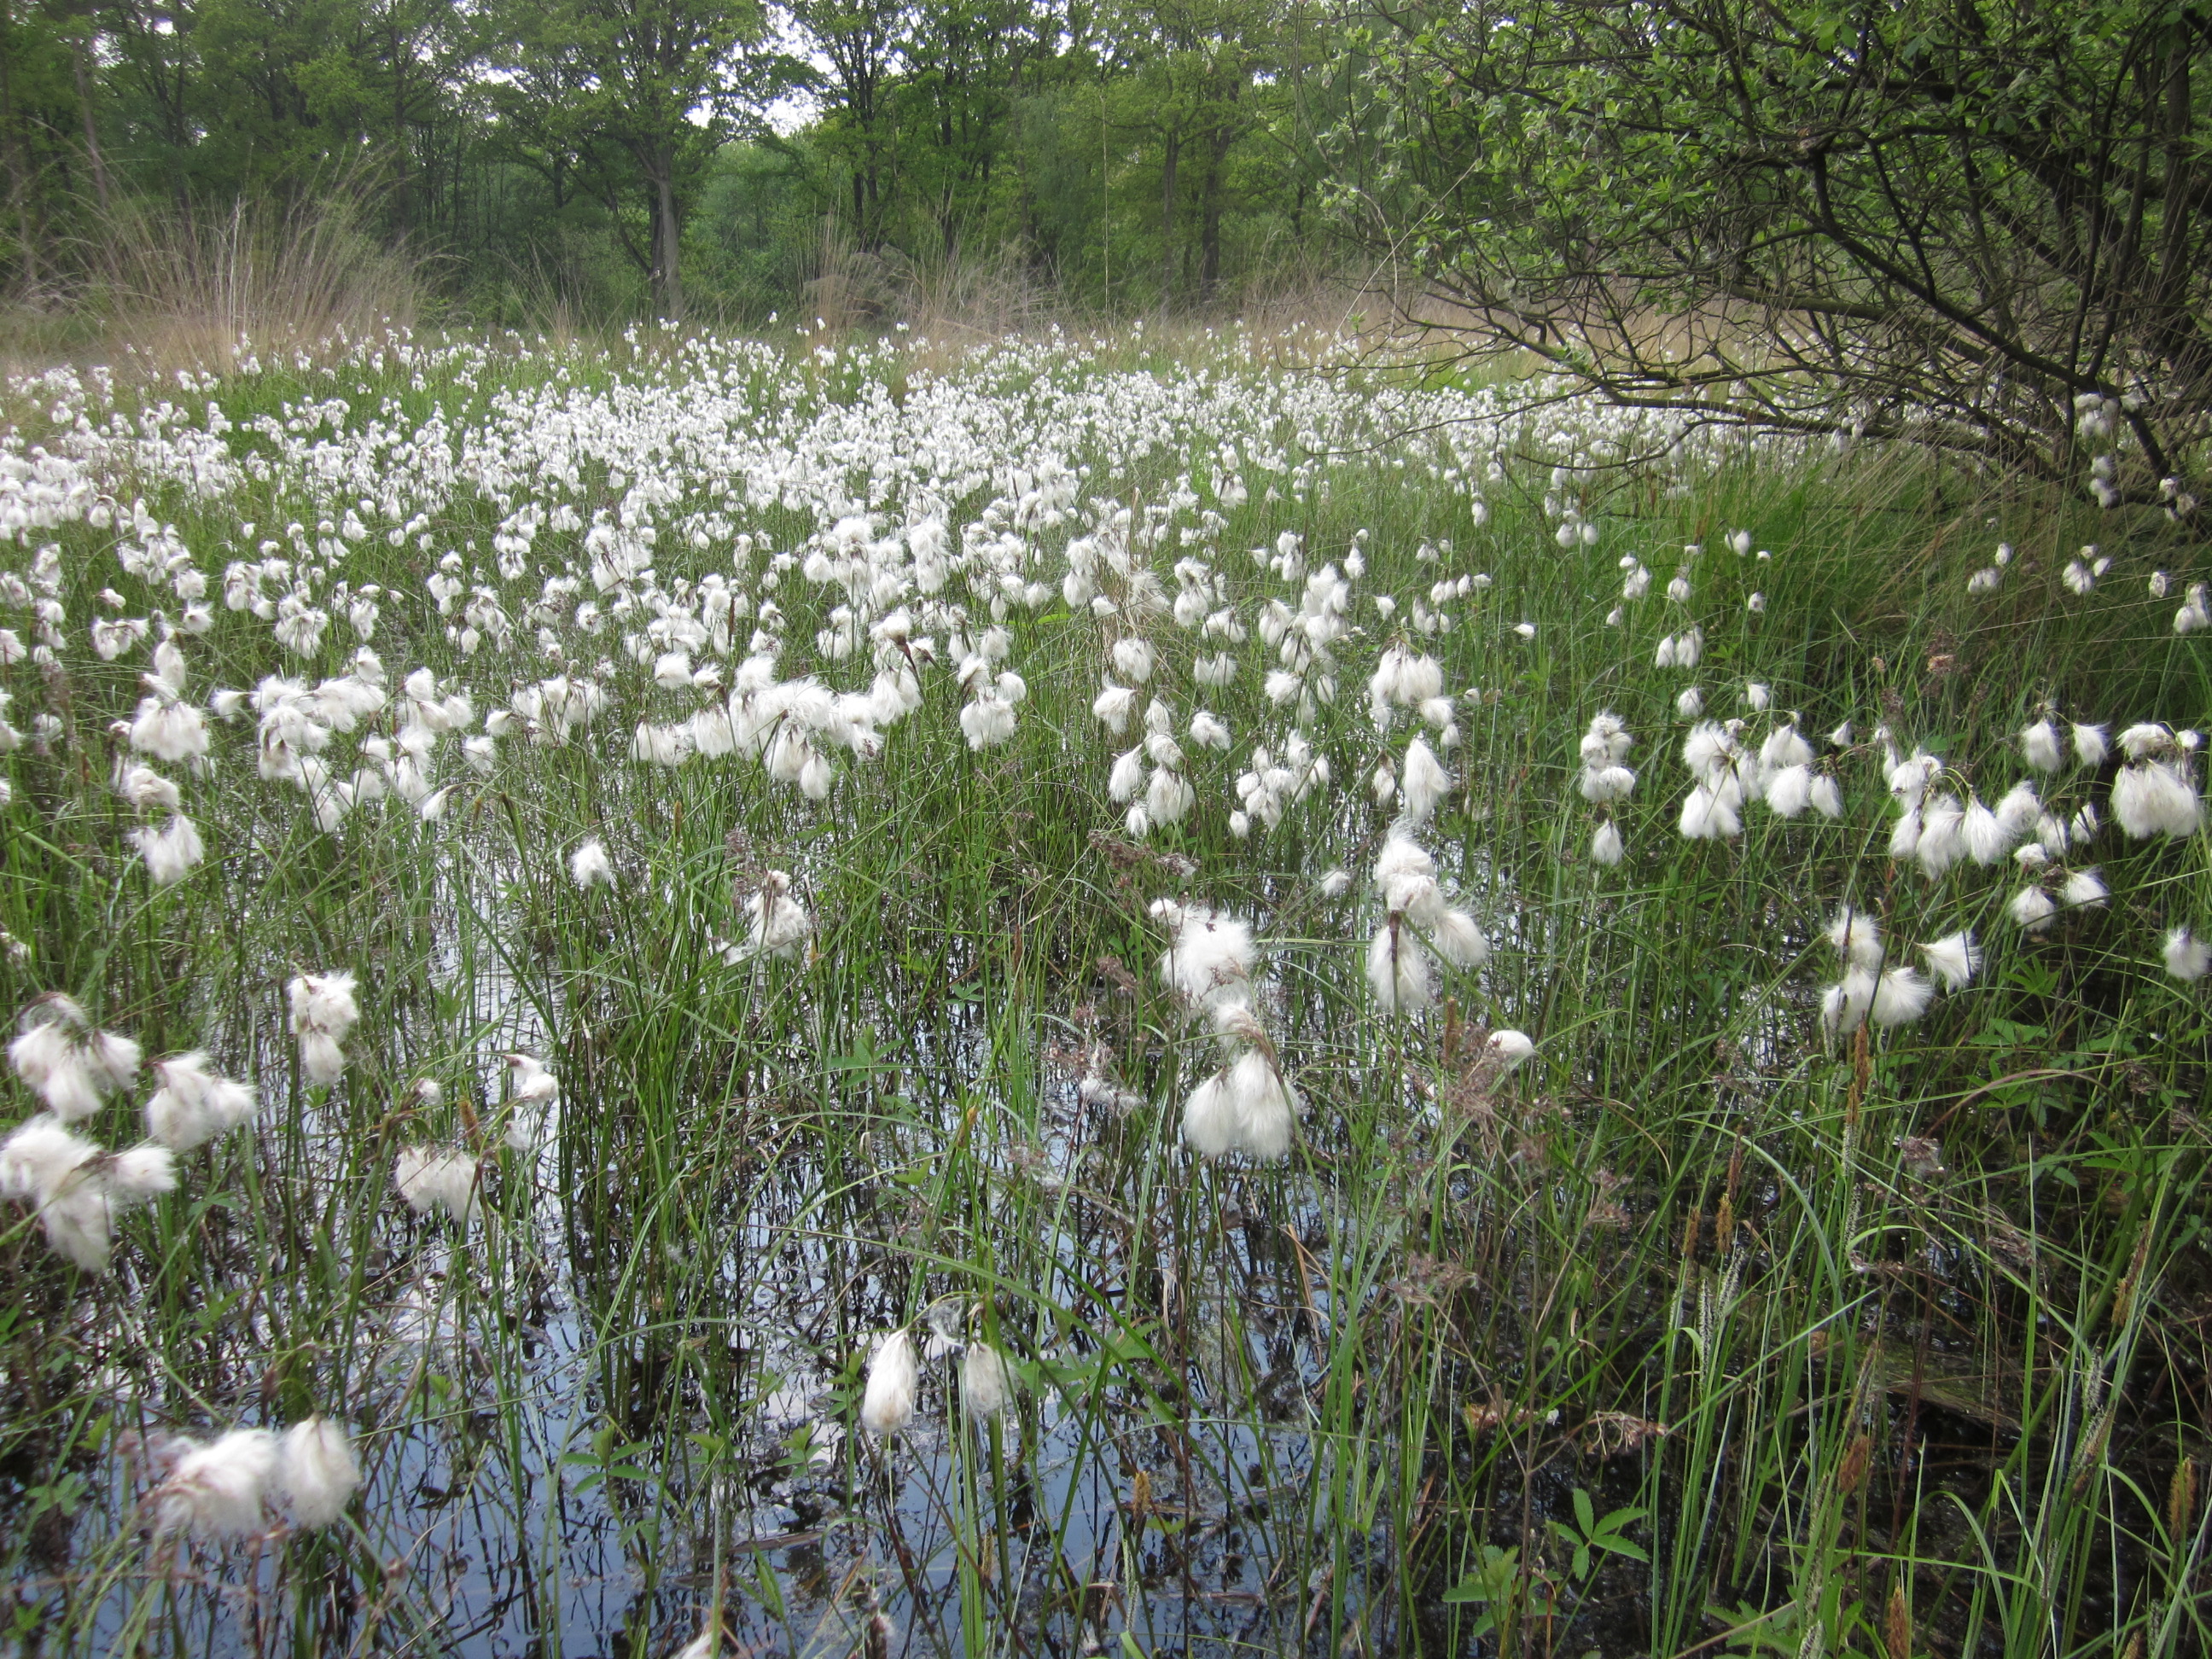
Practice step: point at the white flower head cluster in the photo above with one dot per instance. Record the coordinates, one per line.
(226, 1488)
(1163, 793)
(1606, 780)
(1418, 921)
(892, 1392)
(1713, 810)
(323, 1015)
(532, 1095)
(2155, 793)
(778, 927)
(195, 1104)
(1939, 830)
(77, 1190)
(589, 865)
(66, 1063)
(1277, 780)
(1405, 679)
(438, 1178)
(1876, 991)
(1247, 1105)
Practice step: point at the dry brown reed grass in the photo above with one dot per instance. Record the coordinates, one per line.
(162, 288)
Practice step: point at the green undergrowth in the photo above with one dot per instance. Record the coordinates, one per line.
(1700, 1332)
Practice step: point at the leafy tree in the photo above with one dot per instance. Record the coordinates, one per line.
(39, 110)
(1193, 68)
(969, 66)
(1978, 225)
(862, 39)
(633, 100)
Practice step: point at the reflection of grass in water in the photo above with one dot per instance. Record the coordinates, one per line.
(1682, 1263)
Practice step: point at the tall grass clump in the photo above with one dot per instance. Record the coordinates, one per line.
(189, 286)
(1084, 996)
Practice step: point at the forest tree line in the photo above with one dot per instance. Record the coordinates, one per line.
(711, 158)
(1981, 227)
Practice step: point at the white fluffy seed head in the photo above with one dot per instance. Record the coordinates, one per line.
(217, 1491)
(1708, 814)
(894, 1375)
(2187, 957)
(70, 1066)
(2156, 798)
(1900, 997)
(2041, 745)
(1398, 970)
(589, 865)
(1954, 959)
(986, 1381)
(1458, 940)
(2031, 908)
(1267, 1108)
(1425, 782)
(194, 1104)
(441, 1178)
(1512, 1047)
(316, 1471)
(1209, 1117)
(2084, 888)
(1856, 936)
(1844, 1006)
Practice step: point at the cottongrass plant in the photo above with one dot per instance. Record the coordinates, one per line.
(852, 829)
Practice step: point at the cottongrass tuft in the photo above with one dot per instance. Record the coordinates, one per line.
(1900, 997)
(1710, 814)
(195, 1104)
(986, 1381)
(1424, 784)
(66, 1063)
(324, 1013)
(589, 865)
(77, 1190)
(1512, 1048)
(777, 925)
(2085, 889)
(1208, 961)
(532, 1092)
(2187, 957)
(1397, 970)
(218, 1490)
(316, 1471)
(442, 1178)
(2031, 908)
(2156, 796)
(1247, 1107)
(1954, 959)
(171, 853)
(1856, 936)
(1844, 1006)
(2041, 745)
(38, 1155)
(887, 1403)
(1397, 957)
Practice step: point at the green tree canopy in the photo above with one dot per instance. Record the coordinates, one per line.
(1978, 225)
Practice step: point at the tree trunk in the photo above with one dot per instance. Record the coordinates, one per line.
(1167, 218)
(669, 236)
(91, 129)
(1209, 218)
(11, 149)
(402, 197)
